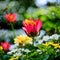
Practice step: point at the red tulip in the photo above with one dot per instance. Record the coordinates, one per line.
(11, 17)
(5, 46)
(32, 27)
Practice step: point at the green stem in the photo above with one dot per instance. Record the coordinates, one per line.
(27, 56)
(13, 30)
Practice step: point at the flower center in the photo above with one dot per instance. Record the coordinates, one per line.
(11, 17)
(29, 22)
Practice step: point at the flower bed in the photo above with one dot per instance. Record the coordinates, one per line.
(36, 44)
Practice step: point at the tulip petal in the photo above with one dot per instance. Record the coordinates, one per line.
(38, 25)
(25, 30)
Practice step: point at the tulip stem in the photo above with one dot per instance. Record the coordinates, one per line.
(13, 30)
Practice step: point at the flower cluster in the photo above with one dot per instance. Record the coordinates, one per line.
(15, 50)
(55, 45)
(25, 51)
(31, 45)
(45, 38)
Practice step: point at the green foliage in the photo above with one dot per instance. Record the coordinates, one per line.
(48, 52)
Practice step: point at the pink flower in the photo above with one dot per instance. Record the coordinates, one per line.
(5, 45)
(32, 27)
(11, 17)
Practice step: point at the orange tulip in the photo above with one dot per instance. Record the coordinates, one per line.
(32, 27)
(11, 17)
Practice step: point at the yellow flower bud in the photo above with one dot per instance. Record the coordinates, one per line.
(1, 48)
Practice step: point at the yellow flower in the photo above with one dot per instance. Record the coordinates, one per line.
(50, 43)
(59, 46)
(14, 58)
(11, 59)
(1, 48)
(56, 45)
(46, 44)
(22, 39)
(53, 44)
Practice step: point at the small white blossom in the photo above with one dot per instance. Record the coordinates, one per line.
(35, 44)
(38, 50)
(31, 42)
(9, 53)
(40, 3)
(22, 49)
(55, 36)
(52, 1)
(27, 50)
(57, 50)
(23, 44)
(17, 54)
(46, 38)
(42, 33)
(40, 41)
(13, 46)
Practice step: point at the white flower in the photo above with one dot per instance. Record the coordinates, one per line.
(40, 41)
(35, 44)
(38, 50)
(23, 44)
(55, 36)
(46, 38)
(57, 50)
(27, 50)
(31, 42)
(22, 49)
(40, 2)
(42, 33)
(9, 53)
(13, 46)
(52, 1)
(14, 50)
(17, 54)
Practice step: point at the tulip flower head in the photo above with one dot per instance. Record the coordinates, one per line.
(5, 46)
(32, 27)
(11, 17)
